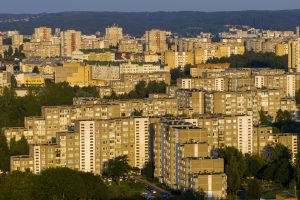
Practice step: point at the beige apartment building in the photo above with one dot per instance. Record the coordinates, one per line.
(182, 159)
(43, 49)
(155, 105)
(42, 34)
(216, 50)
(76, 74)
(90, 146)
(92, 42)
(191, 99)
(113, 34)
(227, 130)
(127, 82)
(178, 59)
(248, 103)
(130, 45)
(156, 41)
(294, 55)
(70, 42)
(40, 157)
(5, 79)
(17, 40)
(264, 137)
(42, 129)
(287, 83)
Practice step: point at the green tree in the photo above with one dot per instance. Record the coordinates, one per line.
(254, 189)
(192, 195)
(279, 167)
(270, 171)
(254, 164)
(187, 70)
(233, 176)
(10, 52)
(264, 118)
(279, 116)
(59, 183)
(117, 167)
(14, 82)
(17, 185)
(36, 70)
(140, 89)
(231, 152)
(137, 113)
(175, 74)
(94, 186)
(4, 154)
(297, 97)
(56, 94)
(20, 147)
(281, 153)
(254, 60)
(284, 173)
(148, 171)
(298, 170)
(156, 87)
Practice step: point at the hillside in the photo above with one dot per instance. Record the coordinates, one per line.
(135, 23)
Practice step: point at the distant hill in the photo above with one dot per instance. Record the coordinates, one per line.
(135, 23)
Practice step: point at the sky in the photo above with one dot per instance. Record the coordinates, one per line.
(38, 6)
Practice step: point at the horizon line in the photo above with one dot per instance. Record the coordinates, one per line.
(154, 11)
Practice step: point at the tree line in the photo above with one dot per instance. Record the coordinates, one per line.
(64, 183)
(283, 122)
(273, 165)
(13, 108)
(11, 54)
(252, 59)
(141, 90)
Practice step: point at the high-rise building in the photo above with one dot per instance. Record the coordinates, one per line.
(17, 40)
(298, 31)
(91, 145)
(42, 34)
(182, 157)
(178, 59)
(294, 55)
(113, 34)
(156, 41)
(70, 42)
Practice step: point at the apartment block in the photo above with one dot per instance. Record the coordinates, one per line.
(248, 103)
(294, 56)
(227, 130)
(182, 158)
(156, 41)
(70, 42)
(191, 98)
(178, 59)
(5, 79)
(90, 145)
(113, 34)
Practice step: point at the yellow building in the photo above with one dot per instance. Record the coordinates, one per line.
(182, 159)
(294, 55)
(281, 49)
(113, 34)
(156, 41)
(30, 79)
(70, 42)
(130, 45)
(76, 74)
(17, 40)
(42, 34)
(178, 59)
(105, 56)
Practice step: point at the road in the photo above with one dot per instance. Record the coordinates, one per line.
(159, 190)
